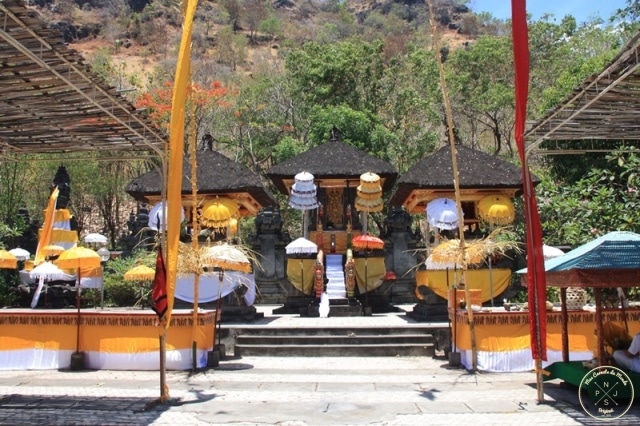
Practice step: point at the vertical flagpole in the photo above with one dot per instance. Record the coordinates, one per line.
(536, 280)
(456, 184)
(176, 155)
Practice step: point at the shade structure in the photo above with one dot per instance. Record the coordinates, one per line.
(95, 238)
(496, 209)
(303, 192)
(8, 260)
(20, 253)
(367, 242)
(140, 273)
(157, 215)
(218, 212)
(227, 257)
(301, 246)
(442, 213)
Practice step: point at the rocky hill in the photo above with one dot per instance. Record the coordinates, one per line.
(139, 34)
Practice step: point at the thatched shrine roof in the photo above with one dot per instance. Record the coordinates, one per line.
(606, 106)
(432, 177)
(50, 100)
(216, 175)
(334, 162)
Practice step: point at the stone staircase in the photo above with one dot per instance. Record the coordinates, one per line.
(330, 341)
(339, 304)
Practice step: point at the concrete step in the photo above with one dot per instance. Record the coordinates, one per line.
(391, 350)
(334, 341)
(352, 339)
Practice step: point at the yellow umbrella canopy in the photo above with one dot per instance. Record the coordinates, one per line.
(140, 273)
(78, 257)
(7, 260)
(496, 209)
(227, 257)
(52, 250)
(217, 213)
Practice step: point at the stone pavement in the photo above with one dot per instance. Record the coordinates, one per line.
(293, 391)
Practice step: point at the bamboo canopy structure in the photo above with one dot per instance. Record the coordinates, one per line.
(603, 107)
(52, 101)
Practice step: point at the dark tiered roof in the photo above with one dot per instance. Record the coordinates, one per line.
(217, 174)
(477, 169)
(332, 160)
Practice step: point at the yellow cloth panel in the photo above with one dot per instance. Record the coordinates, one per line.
(510, 331)
(61, 215)
(300, 273)
(20, 337)
(375, 272)
(102, 333)
(475, 279)
(516, 337)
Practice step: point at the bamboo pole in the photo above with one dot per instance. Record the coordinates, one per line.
(196, 230)
(456, 183)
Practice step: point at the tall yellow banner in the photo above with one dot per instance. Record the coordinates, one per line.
(47, 228)
(176, 152)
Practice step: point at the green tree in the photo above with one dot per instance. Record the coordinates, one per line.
(480, 78)
(605, 200)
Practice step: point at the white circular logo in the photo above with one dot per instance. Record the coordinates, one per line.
(606, 393)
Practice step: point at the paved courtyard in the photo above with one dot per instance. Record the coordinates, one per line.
(292, 391)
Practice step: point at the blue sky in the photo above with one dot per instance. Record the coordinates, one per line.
(582, 10)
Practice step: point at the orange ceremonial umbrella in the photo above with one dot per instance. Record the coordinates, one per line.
(367, 242)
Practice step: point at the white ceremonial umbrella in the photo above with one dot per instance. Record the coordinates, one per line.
(95, 238)
(20, 253)
(442, 213)
(301, 246)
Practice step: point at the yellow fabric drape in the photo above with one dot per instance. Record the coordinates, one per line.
(301, 273)
(475, 279)
(176, 147)
(47, 227)
(375, 272)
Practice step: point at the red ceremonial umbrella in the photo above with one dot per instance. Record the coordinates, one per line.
(367, 242)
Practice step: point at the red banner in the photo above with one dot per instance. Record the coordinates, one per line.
(159, 293)
(536, 281)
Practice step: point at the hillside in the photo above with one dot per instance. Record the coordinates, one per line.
(139, 36)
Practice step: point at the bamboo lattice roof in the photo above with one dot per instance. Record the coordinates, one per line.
(51, 101)
(606, 106)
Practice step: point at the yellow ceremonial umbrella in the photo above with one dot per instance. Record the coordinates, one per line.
(7, 260)
(52, 250)
(226, 257)
(140, 273)
(496, 209)
(75, 258)
(218, 212)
